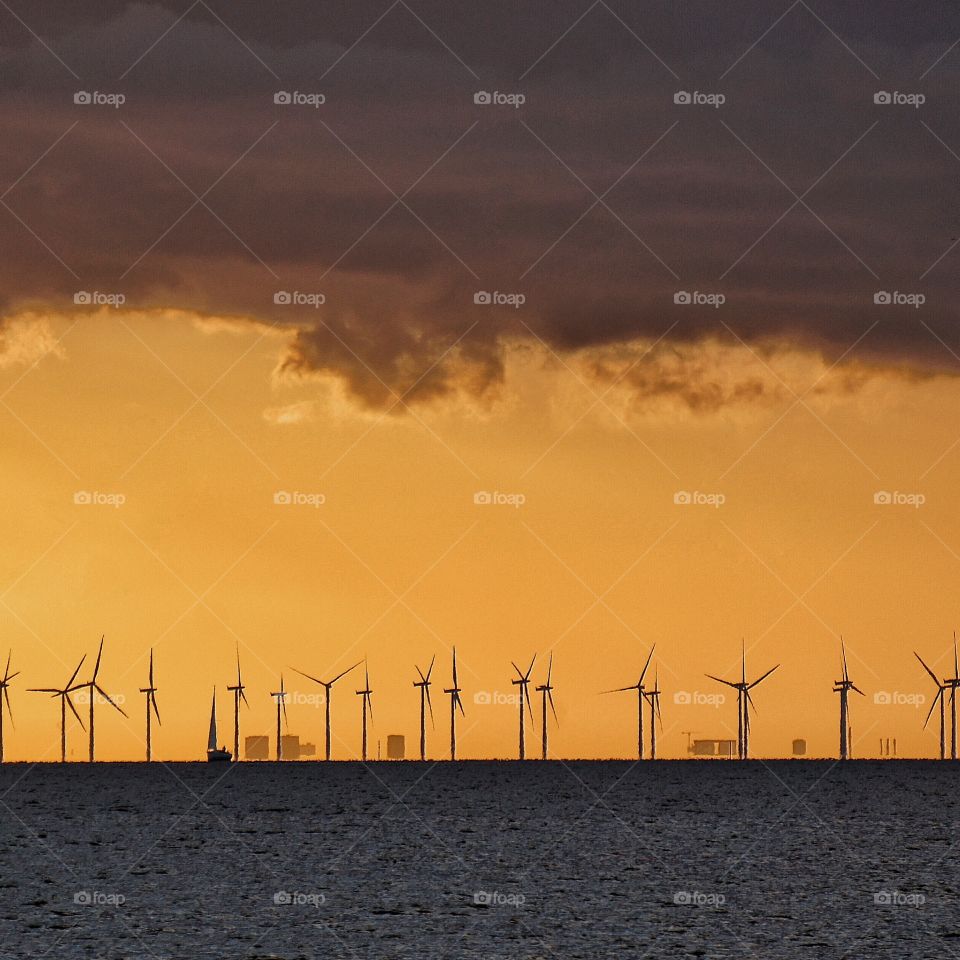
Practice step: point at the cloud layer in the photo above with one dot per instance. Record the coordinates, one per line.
(400, 199)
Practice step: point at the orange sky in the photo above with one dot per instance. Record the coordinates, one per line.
(191, 425)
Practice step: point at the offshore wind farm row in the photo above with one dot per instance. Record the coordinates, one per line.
(648, 702)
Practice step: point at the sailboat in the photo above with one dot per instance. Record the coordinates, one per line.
(215, 754)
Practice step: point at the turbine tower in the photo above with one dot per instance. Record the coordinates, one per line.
(941, 687)
(281, 696)
(653, 698)
(744, 702)
(365, 706)
(424, 685)
(5, 698)
(546, 693)
(238, 695)
(328, 688)
(455, 702)
(64, 694)
(93, 689)
(953, 682)
(843, 687)
(638, 686)
(151, 691)
(522, 683)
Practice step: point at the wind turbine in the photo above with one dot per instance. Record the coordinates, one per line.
(939, 697)
(281, 696)
(744, 702)
(238, 695)
(424, 685)
(365, 706)
(328, 688)
(953, 682)
(5, 696)
(546, 693)
(653, 698)
(522, 683)
(65, 701)
(151, 691)
(638, 686)
(455, 702)
(843, 687)
(94, 688)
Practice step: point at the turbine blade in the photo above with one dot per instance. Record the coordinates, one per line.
(243, 697)
(843, 654)
(549, 669)
(156, 709)
(74, 709)
(620, 689)
(764, 677)
(43, 690)
(6, 695)
(75, 672)
(933, 676)
(460, 703)
(729, 683)
(429, 704)
(750, 701)
(455, 667)
(852, 687)
(345, 672)
(307, 675)
(515, 667)
(6, 672)
(526, 676)
(96, 668)
(151, 668)
(553, 708)
(526, 696)
(643, 672)
(106, 696)
(430, 668)
(933, 706)
(423, 679)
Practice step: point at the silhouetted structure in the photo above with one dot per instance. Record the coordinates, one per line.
(712, 748)
(365, 706)
(744, 702)
(546, 693)
(281, 696)
(638, 686)
(396, 746)
(238, 694)
(328, 689)
(843, 687)
(455, 702)
(522, 682)
(653, 698)
(939, 698)
(257, 747)
(424, 685)
(799, 748)
(93, 688)
(151, 691)
(65, 701)
(5, 698)
(215, 754)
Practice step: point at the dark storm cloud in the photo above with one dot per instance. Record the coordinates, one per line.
(597, 201)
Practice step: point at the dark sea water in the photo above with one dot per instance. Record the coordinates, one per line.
(485, 860)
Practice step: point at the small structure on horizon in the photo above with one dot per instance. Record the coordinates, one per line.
(396, 746)
(713, 748)
(257, 747)
(799, 748)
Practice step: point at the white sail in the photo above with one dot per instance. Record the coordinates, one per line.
(212, 739)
